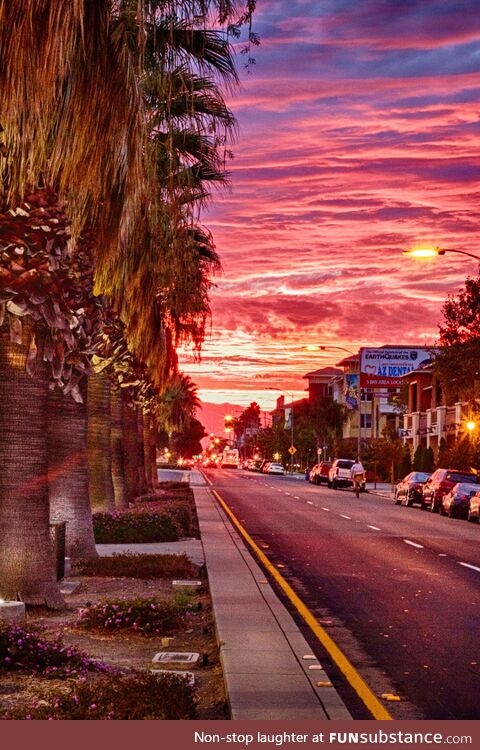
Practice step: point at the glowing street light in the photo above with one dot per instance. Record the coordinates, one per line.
(432, 252)
(471, 426)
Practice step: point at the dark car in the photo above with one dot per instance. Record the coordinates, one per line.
(456, 503)
(409, 490)
(441, 482)
(319, 473)
(474, 509)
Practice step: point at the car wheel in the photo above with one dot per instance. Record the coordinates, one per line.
(451, 512)
(443, 512)
(334, 485)
(398, 500)
(423, 505)
(408, 501)
(433, 507)
(472, 519)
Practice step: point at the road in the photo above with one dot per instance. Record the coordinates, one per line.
(397, 588)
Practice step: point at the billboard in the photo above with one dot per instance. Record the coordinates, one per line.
(383, 368)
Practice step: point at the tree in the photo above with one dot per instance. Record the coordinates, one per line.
(429, 460)
(419, 458)
(457, 362)
(406, 461)
(187, 442)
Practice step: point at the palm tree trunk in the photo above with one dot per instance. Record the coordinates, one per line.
(152, 446)
(68, 473)
(146, 450)
(118, 468)
(142, 480)
(130, 450)
(99, 448)
(27, 567)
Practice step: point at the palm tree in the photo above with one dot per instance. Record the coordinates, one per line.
(117, 442)
(68, 473)
(27, 570)
(101, 492)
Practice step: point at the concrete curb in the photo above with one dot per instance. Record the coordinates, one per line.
(261, 648)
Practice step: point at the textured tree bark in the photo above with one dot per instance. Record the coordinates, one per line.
(118, 468)
(27, 566)
(130, 450)
(152, 446)
(142, 479)
(98, 441)
(146, 451)
(68, 473)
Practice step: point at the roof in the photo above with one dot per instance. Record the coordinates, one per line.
(349, 360)
(424, 367)
(329, 372)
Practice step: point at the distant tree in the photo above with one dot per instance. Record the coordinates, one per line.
(443, 454)
(187, 442)
(429, 460)
(419, 458)
(406, 461)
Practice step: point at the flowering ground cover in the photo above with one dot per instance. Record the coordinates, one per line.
(141, 566)
(126, 652)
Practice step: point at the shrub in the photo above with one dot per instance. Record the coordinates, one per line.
(136, 696)
(25, 650)
(130, 527)
(146, 616)
(140, 566)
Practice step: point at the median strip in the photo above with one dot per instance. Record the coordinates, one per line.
(364, 692)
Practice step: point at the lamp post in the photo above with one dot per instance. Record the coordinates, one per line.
(432, 252)
(326, 347)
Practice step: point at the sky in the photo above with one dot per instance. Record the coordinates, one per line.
(359, 136)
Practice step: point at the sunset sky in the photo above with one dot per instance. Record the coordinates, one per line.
(359, 137)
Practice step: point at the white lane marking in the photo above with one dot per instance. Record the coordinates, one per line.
(349, 518)
(288, 493)
(442, 554)
(309, 502)
(327, 509)
(472, 567)
(296, 497)
(413, 544)
(375, 528)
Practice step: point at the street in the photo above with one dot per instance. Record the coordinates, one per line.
(396, 588)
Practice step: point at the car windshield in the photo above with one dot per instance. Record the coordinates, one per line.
(419, 477)
(345, 464)
(464, 488)
(456, 476)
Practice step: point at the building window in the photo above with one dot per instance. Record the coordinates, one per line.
(365, 421)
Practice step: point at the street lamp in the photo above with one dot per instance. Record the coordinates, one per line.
(471, 426)
(432, 252)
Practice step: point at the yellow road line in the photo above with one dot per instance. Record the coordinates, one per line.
(368, 698)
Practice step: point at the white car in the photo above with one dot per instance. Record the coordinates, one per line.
(275, 469)
(340, 474)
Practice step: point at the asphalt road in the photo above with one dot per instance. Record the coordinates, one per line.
(397, 588)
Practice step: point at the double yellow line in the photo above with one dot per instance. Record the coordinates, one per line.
(369, 699)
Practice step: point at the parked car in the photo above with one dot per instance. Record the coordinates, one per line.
(441, 482)
(274, 468)
(474, 509)
(456, 503)
(266, 467)
(339, 473)
(409, 490)
(319, 473)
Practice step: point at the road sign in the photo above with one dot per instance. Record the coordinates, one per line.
(292, 450)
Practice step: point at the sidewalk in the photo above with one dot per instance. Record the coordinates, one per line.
(269, 669)
(383, 489)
